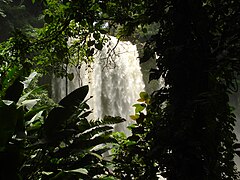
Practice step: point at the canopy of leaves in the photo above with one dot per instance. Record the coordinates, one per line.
(18, 14)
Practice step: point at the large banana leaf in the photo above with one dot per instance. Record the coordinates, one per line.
(58, 116)
(75, 98)
(14, 92)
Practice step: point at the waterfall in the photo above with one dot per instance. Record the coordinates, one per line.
(114, 78)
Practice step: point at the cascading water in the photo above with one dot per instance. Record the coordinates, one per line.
(114, 79)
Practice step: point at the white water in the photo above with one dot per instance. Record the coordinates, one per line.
(115, 81)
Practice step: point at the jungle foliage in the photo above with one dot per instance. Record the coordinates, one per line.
(52, 142)
(187, 129)
(191, 136)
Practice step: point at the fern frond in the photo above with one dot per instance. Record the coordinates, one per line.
(89, 133)
(107, 120)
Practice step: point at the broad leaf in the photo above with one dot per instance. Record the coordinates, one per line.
(14, 92)
(55, 121)
(107, 120)
(29, 79)
(80, 170)
(139, 107)
(94, 131)
(75, 98)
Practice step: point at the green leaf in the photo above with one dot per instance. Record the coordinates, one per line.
(9, 77)
(7, 102)
(55, 121)
(144, 95)
(14, 92)
(85, 114)
(132, 140)
(99, 46)
(75, 98)
(25, 96)
(29, 103)
(107, 120)
(34, 126)
(83, 125)
(34, 118)
(29, 79)
(139, 107)
(58, 116)
(79, 170)
(83, 143)
(103, 31)
(112, 120)
(32, 112)
(70, 76)
(90, 132)
(47, 173)
(134, 117)
(97, 155)
(131, 126)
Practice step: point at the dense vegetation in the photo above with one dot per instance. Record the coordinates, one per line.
(183, 131)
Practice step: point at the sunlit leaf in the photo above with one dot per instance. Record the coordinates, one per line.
(134, 117)
(29, 79)
(30, 103)
(34, 118)
(80, 170)
(139, 107)
(144, 95)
